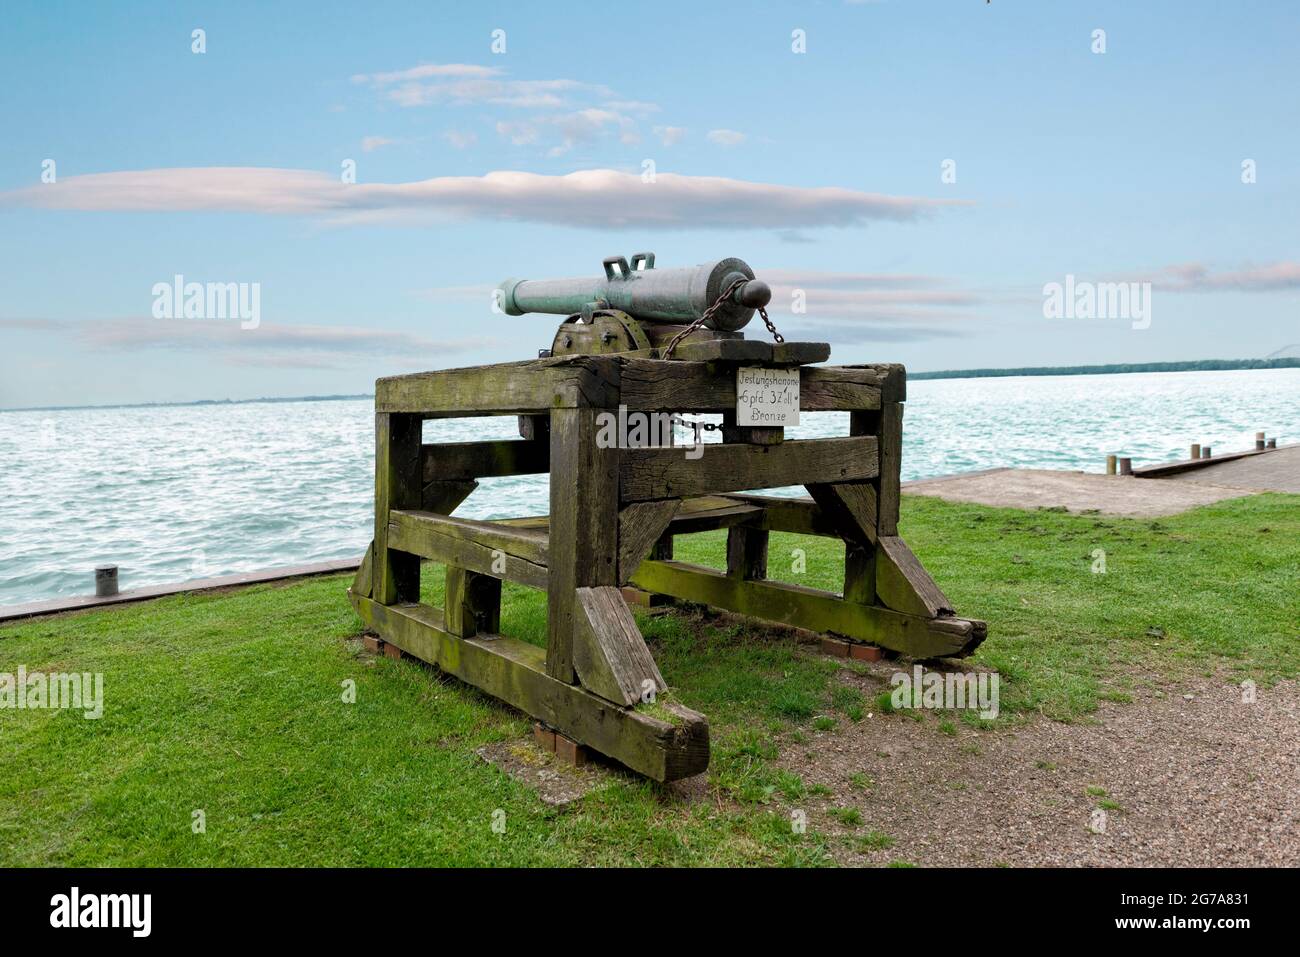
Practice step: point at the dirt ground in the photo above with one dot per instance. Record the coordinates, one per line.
(1187, 774)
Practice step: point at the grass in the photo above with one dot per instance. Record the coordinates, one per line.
(232, 703)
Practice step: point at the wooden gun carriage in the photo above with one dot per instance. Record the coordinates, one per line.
(613, 514)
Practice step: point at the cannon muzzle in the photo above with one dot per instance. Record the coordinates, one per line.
(645, 293)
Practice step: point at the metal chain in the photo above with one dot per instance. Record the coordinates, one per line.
(708, 314)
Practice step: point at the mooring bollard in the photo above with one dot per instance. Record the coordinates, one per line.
(1259, 441)
(105, 580)
(1125, 466)
(1272, 443)
(1205, 452)
(1110, 465)
(1196, 450)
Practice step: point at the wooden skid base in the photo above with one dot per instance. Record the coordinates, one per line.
(813, 610)
(515, 672)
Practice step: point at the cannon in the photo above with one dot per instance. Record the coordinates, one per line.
(635, 307)
(645, 293)
(641, 344)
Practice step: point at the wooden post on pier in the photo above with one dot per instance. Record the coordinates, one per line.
(1110, 465)
(1125, 466)
(1259, 441)
(1196, 450)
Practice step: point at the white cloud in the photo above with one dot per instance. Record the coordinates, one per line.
(670, 135)
(598, 198)
(371, 143)
(726, 137)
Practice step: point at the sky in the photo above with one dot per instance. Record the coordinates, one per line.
(911, 177)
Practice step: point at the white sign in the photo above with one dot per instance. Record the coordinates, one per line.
(767, 396)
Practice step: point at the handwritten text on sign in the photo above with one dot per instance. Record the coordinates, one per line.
(767, 396)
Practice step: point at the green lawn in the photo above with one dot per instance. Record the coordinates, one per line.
(232, 703)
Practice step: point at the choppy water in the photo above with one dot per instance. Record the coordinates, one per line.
(171, 493)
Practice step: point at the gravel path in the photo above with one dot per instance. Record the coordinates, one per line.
(1202, 780)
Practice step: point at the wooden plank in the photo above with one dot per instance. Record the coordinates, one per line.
(903, 584)
(851, 506)
(675, 386)
(513, 670)
(751, 434)
(609, 654)
(583, 527)
(531, 387)
(648, 474)
(801, 515)
(891, 464)
(746, 552)
(723, 350)
(800, 353)
(396, 575)
(639, 526)
(461, 461)
(500, 557)
(528, 544)
(812, 609)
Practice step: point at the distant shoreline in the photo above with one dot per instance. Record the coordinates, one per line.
(1198, 365)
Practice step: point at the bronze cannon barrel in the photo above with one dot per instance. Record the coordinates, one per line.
(653, 295)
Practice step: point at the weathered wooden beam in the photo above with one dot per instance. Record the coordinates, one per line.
(583, 527)
(609, 654)
(891, 463)
(520, 388)
(800, 515)
(444, 497)
(489, 548)
(724, 350)
(473, 603)
(812, 609)
(860, 573)
(363, 582)
(673, 386)
(800, 353)
(648, 474)
(746, 552)
(513, 670)
(639, 526)
(461, 461)
(903, 584)
(396, 575)
(851, 506)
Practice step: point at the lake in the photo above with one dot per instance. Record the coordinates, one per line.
(175, 492)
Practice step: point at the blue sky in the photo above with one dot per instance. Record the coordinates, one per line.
(821, 169)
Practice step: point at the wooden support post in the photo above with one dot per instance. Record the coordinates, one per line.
(1125, 466)
(747, 553)
(473, 603)
(1110, 464)
(396, 575)
(1259, 441)
(891, 458)
(1196, 450)
(583, 528)
(860, 573)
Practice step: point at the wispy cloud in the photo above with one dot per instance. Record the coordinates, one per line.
(371, 143)
(601, 198)
(461, 140)
(289, 346)
(1198, 277)
(725, 137)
